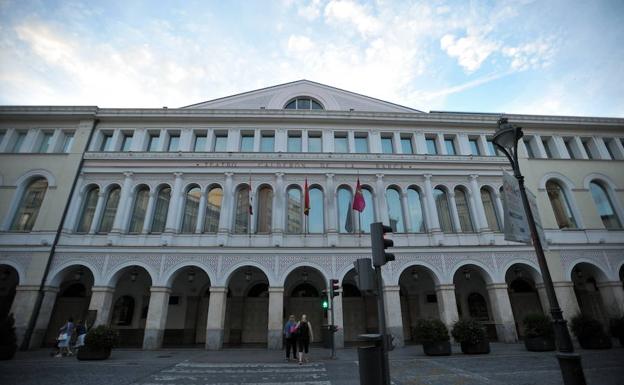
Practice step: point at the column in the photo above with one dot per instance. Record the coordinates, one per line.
(567, 299)
(439, 138)
(149, 214)
(201, 215)
(138, 140)
(279, 204)
(447, 304)
(421, 145)
(176, 196)
(612, 298)
(481, 220)
(483, 147)
(276, 318)
(380, 193)
(22, 308)
(8, 136)
(156, 317)
(454, 214)
(75, 207)
(123, 209)
(162, 140)
(97, 214)
(561, 147)
(330, 201)
(396, 142)
(501, 310)
(228, 202)
(102, 303)
(43, 320)
(186, 139)
(539, 146)
(351, 141)
(281, 140)
(463, 145)
(499, 209)
(374, 142)
(601, 147)
(433, 223)
(579, 146)
(215, 324)
(339, 322)
(328, 140)
(394, 321)
(406, 212)
(543, 297)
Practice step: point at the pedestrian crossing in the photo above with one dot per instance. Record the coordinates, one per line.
(196, 373)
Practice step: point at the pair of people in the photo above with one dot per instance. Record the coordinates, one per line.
(298, 335)
(66, 333)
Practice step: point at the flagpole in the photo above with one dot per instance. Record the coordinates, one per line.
(360, 223)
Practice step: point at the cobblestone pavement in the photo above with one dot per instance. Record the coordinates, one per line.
(508, 364)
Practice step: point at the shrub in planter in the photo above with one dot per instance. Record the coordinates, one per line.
(472, 336)
(617, 329)
(98, 344)
(590, 333)
(8, 339)
(434, 337)
(539, 335)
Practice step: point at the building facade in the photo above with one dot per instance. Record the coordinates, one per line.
(187, 225)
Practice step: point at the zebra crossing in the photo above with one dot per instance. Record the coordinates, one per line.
(196, 373)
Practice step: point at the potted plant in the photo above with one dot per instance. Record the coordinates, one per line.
(539, 335)
(590, 333)
(617, 329)
(8, 339)
(434, 337)
(98, 344)
(471, 336)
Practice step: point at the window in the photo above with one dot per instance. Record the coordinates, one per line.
(490, 209)
(191, 209)
(386, 145)
(568, 144)
(492, 151)
(340, 143)
(241, 220)
(220, 144)
(367, 217)
(316, 215)
(107, 142)
(361, 144)
(153, 143)
(560, 205)
(406, 145)
(265, 210)
(450, 146)
(267, 142)
(395, 210)
(604, 206)
(213, 210)
(140, 209)
(529, 148)
(607, 143)
(68, 140)
(126, 143)
(88, 210)
(294, 212)
(29, 205)
(110, 209)
(477, 307)
(160, 211)
(587, 148)
(463, 210)
(123, 311)
(474, 147)
(45, 142)
(345, 213)
(303, 103)
(431, 146)
(294, 142)
(546, 143)
(174, 143)
(200, 143)
(315, 143)
(17, 144)
(247, 142)
(415, 211)
(442, 206)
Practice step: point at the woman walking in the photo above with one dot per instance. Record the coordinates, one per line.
(304, 336)
(290, 335)
(64, 338)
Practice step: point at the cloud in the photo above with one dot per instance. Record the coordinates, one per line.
(536, 54)
(341, 12)
(470, 51)
(310, 11)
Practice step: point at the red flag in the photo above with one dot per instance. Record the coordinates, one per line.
(358, 200)
(306, 199)
(250, 198)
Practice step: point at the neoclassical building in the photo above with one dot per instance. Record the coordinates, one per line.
(186, 226)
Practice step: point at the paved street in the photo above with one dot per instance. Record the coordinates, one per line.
(506, 365)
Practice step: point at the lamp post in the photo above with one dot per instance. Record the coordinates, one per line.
(506, 140)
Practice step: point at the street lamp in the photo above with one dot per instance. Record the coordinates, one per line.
(506, 140)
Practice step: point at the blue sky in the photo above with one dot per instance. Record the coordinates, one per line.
(539, 57)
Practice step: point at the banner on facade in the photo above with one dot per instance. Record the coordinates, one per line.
(516, 224)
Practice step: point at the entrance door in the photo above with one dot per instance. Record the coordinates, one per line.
(523, 304)
(255, 320)
(309, 306)
(65, 307)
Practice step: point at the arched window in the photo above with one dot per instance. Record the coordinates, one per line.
(123, 311)
(414, 204)
(560, 205)
(490, 209)
(461, 201)
(345, 213)
(29, 205)
(140, 208)
(191, 209)
(110, 210)
(241, 220)
(213, 210)
(303, 103)
(265, 210)
(395, 210)
(477, 307)
(161, 209)
(316, 215)
(367, 217)
(88, 210)
(442, 206)
(604, 206)
(294, 211)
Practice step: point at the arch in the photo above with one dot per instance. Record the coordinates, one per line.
(57, 276)
(567, 182)
(488, 277)
(170, 274)
(140, 186)
(227, 275)
(299, 103)
(602, 274)
(600, 177)
(88, 186)
(309, 265)
(435, 274)
(113, 276)
(530, 265)
(109, 186)
(279, 100)
(28, 176)
(21, 274)
(607, 204)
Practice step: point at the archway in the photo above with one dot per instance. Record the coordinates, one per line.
(72, 300)
(472, 297)
(188, 308)
(302, 295)
(247, 309)
(359, 310)
(418, 298)
(9, 279)
(130, 305)
(523, 294)
(586, 278)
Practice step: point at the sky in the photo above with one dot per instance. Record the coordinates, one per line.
(557, 57)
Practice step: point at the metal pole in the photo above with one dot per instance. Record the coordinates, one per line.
(331, 328)
(385, 363)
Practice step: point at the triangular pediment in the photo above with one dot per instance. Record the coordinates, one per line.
(276, 98)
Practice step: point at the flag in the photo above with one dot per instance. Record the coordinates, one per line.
(250, 198)
(349, 221)
(306, 198)
(358, 200)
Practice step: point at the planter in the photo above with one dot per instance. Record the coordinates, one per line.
(437, 348)
(7, 352)
(87, 354)
(482, 347)
(539, 344)
(596, 342)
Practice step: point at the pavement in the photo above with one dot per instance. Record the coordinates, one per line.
(507, 364)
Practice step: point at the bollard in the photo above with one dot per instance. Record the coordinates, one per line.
(369, 358)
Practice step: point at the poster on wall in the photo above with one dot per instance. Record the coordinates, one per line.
(516, 224)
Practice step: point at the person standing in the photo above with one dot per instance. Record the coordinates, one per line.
(290, 335)
(64, 339)
(304, 336)
(81, 332)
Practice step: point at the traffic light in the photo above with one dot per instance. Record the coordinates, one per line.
(325, 303)
(334, 286)
(379, 244)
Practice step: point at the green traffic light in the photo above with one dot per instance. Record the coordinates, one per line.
(325, 304)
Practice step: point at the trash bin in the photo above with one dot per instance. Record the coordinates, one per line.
(370, 358)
